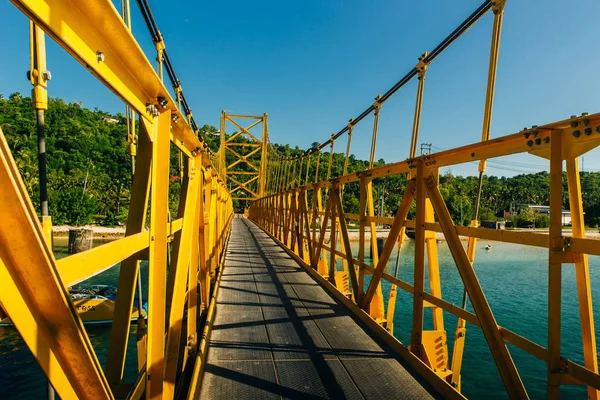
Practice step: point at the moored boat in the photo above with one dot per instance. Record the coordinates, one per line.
(95, 305)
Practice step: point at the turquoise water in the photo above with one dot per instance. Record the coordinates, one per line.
(20, 376)
(513, 277)
(515, 281)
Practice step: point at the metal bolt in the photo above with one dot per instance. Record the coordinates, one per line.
(598, 129)
(530, 143)
(99, 56)
(461, 334)
(538, 141)
(547, 139)
(149, 108)
(574, 123)
(526, 134)
(583, 114)
(587, 131)
(46, 75)
(454, 384)
(585, 122)
(163, 102)
(534, 133)
(576, 133)
(175, 118)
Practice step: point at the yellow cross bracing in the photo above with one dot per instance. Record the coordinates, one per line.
(242, 156)
(307, 217)
(34, 285)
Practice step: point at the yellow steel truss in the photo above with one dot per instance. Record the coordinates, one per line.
(299, 227)
(558, 144)
(245, 173)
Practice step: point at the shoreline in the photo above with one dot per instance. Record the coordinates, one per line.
(116, 232)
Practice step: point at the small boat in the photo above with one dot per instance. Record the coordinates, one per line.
(95, 305)
(488, 247)
(410, 233)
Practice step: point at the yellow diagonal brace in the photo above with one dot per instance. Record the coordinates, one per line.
(504, 363)
(390, 242)
(243, 130)
(30, 282)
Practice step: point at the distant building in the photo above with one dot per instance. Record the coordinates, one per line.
(566, 214)
(110, 120)
(493, 224)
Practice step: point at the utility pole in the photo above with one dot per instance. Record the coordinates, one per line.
(425, 148)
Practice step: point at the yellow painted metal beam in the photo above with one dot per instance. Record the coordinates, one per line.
(94, 33)
(506, 367)
(29, 282)
(136, 221)
(81, 266)
(157, 263)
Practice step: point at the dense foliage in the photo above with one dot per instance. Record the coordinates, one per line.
(89, 171)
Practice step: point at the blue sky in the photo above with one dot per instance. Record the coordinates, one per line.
(312, 65)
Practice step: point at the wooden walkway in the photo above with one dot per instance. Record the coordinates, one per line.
(279, 334)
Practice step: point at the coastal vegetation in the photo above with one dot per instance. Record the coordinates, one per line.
(89, 171)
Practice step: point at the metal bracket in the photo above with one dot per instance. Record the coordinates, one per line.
(377, 104)
(498, 6)
(422, 65)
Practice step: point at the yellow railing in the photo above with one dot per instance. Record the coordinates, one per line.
(296, 219)
(306, 215)
(34, 285)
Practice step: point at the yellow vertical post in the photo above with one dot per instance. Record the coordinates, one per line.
(376, 307)
(205, 255)
(582, 274)
(422, 69)
(179, 270)
(348, 144)
(419, 267)
(318, 163)
(459, 341)
(274, 187)
(39, 77)
(160, 48)
(307, 168)
(136, 221)
(263, 156)
(330, 158)
(299, 178)
(332, 238)
(292, 176)
(377, 106)
(222, 168)
(555, 266)
(433, 266)
(195, 264)
(157, 261)
(322, 262)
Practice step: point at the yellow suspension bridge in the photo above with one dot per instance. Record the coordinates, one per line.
(275, 303)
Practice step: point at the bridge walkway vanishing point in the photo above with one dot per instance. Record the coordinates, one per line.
(279, 334)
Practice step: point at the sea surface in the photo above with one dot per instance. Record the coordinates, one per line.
(514, 279)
